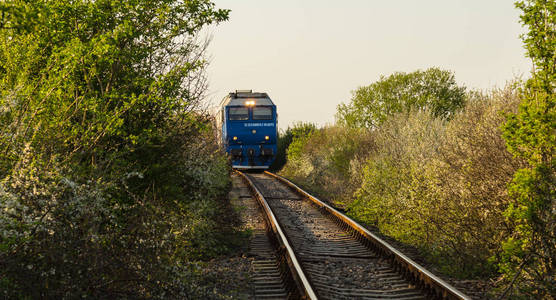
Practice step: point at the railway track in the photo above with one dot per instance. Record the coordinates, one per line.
(329, 256)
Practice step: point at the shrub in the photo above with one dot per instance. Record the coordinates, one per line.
(64, 237)
(327, 161)
(433, 183)
(441, 185)
(298, 131)
(110, 178)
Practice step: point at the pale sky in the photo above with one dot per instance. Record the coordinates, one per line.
(308, 55)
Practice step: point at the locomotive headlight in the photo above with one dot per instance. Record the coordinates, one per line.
(266, 137)
(250, 102)
(235, 138)
(253, 131)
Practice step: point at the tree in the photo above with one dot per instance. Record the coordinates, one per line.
(529, 257)
(97, 75)
(108, 175)
(432, 89)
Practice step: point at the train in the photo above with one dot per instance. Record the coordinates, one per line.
(249, 129)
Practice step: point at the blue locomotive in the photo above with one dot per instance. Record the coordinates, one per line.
(249, 129)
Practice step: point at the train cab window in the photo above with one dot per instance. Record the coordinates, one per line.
(262, 113)
(238, 113)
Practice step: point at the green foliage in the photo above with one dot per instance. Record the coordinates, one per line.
(437, 184)
(93, 70)
(300, 133)
(539, 16)
(327, 158)
(299, 130)
(440, 185)
(529, 254)
(284, 141)
(110, 179)
(433, 89)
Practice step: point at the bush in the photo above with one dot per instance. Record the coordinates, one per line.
(64, 237)
(436, 184)
(327, 161)
(441, 185)
(111, 182)
(285, 138)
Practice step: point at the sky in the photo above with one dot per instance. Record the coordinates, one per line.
(309, 55)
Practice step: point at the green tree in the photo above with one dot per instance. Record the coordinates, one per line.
(432, 89)
(529, 258)
(109, 179)
(285, 138)
(85, 78)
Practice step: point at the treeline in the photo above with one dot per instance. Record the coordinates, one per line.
(467, 177)
(110, 178)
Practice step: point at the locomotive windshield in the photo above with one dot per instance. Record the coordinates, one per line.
(238, 113)
(262, 113)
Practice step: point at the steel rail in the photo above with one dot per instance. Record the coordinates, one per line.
(298, 275)
(406, 265)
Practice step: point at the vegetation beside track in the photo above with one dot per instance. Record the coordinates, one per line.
(472, 186)
(439, 185)
(110, 178)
